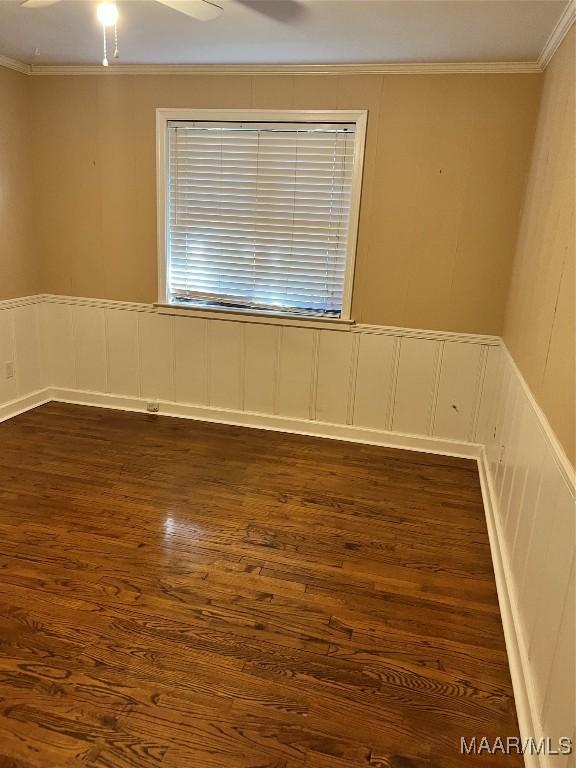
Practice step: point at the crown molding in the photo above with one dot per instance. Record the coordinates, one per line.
(558, 34)
(431, 68)
(18, 66)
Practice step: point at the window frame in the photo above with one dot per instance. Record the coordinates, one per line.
(165, 115)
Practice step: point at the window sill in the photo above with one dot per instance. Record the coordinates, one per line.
(250, 316)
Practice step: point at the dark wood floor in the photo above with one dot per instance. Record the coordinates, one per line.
(186, 595)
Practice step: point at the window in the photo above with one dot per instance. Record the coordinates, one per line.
(258, 211)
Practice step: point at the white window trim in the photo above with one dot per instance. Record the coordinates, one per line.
(163, 115)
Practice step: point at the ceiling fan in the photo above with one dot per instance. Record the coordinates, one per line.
(203, 10)
(107, 13)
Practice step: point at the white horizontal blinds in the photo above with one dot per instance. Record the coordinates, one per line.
(258, 214)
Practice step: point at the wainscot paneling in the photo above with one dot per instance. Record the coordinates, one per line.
(22, 375)
(296, 372)
(8, 386)
(334, 376)
(533, 504)
(89, 350)
(374, 378)
(416, 386)
(376, 359)
(123, 352)
(363, 377)
(57, 341)
(29, 369)
(156, 357)
(260, 367)
(190, 360)
(457, 401)
(225, 353)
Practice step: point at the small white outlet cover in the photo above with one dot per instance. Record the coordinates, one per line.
(9, 370)
(152, 407)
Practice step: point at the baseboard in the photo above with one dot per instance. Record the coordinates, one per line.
(347, 432)
(23, 404)
(520, 670)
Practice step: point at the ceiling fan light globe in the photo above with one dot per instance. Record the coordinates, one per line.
(107, 14)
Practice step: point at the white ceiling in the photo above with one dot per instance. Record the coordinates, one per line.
(286, 32)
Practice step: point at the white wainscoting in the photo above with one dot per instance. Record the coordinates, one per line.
(382, 380)
(529, 484)
(20, 345)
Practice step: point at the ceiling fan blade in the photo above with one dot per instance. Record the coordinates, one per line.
(203, 10)
(279, 10)
(38, 3)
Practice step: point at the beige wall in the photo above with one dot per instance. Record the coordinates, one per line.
(19, 273)
(446, 163)
(540, 331)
